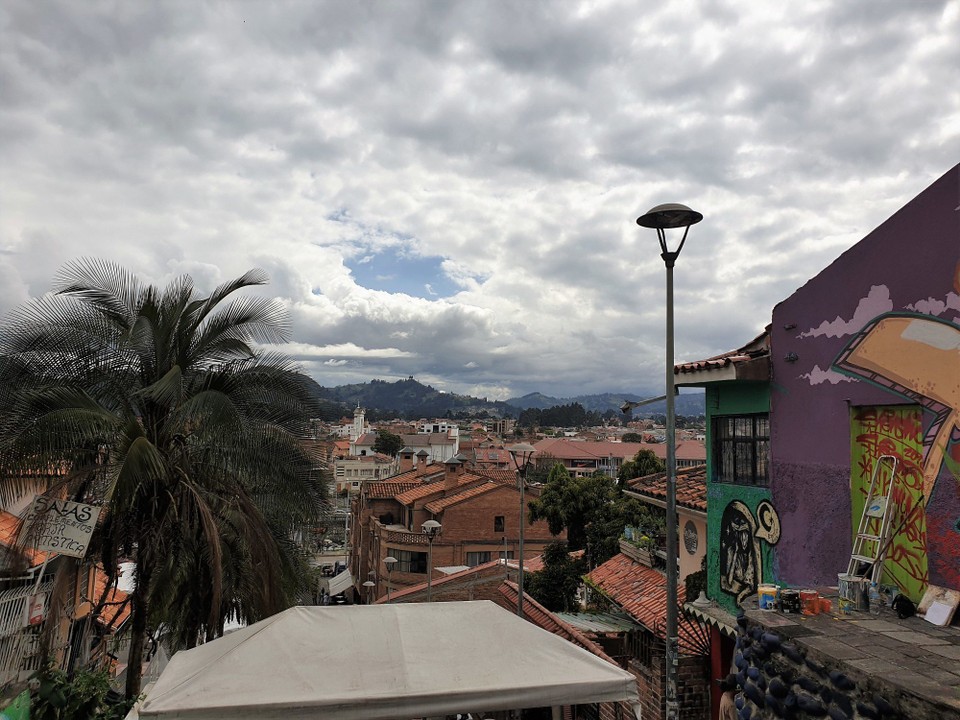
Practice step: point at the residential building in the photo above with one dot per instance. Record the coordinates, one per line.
(584, 457)
(862, 362)
(626, 583)
(691, 494)
(350, 473)
(479, 515)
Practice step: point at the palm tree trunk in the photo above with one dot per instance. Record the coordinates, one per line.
(138, 636)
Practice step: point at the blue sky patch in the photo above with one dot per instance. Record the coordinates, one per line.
(396, 271)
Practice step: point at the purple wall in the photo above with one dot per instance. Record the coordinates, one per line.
(910, 264)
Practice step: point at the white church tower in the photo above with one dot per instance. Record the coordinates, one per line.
(357, 430)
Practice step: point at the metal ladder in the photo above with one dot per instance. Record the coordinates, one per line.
(873, 534)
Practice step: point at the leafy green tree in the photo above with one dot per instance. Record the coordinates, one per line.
(592, 511)
(569, 503)
(645, 462)
(387, 443)
(160, 406)
(555, 586)
(632, 437)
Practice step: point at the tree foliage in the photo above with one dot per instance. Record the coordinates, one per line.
(645, 462)
(555, 586)
(387, 443)
(559, 416)
(591, 509)
(632, 437)
(157, 404)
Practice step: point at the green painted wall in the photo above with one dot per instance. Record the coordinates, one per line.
(733, 398)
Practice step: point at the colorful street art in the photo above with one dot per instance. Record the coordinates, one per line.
(741, 535)
(897, 431)
(918, 357)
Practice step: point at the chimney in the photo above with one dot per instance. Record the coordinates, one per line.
(406, 459)
(451, 477)
(422, 462)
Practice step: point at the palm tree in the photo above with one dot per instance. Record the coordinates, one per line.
(161, 406)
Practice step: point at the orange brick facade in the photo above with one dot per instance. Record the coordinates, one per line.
(479, 516)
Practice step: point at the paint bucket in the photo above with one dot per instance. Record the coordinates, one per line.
(790, 601)
(767, 597)
(809, 602)
(853, 588)
(825, 605)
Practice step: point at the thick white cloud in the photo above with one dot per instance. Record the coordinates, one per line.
(517, 142)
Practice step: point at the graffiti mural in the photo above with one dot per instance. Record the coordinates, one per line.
(918, 357)
(741, 560)
(896, 431)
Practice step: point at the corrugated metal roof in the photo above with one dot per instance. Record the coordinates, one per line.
(599, 622)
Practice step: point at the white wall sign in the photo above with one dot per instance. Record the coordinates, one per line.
(59, 526)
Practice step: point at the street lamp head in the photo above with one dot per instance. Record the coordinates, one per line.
(390, 561)
(522, 453)
(369, 584)
(669, 215)
(431, 528)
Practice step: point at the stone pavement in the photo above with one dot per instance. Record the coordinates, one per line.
(919, 661)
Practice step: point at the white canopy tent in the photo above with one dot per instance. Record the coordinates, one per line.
(382, 662)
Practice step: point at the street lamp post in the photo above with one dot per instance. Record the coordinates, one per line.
(389, 561)
(521, 455)
(369, 585)
(431, 528)
(663, 218)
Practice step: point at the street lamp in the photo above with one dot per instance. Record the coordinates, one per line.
(389, 561)
(369, 585)
(431, 528)
(521, 455)
(662, 218)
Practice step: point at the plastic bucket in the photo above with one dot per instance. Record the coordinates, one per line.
(767, 597)
(809, 602)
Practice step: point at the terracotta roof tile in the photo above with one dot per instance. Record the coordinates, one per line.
(503, 477)
(439, 505)
(435, 487)
(642, 593)
(389, 489)
(9, 528)
(691, 487)
(757, 348)
(115, 609)
(540, 616)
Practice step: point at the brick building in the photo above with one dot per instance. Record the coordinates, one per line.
(625, 583)
(479, 515)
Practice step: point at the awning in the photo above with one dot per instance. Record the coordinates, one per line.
(377, 662)
(338, 583)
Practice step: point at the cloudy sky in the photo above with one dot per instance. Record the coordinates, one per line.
(449, 189)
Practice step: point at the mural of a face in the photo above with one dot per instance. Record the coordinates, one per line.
(741, 565)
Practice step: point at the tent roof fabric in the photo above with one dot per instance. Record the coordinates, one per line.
(382, 662)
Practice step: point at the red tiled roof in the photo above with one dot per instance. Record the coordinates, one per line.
(642, 592)
(503, 477)
(691, 487)
(493, 565)
(9, 528)
(757, 348)
(435, 487)
(563, 449)
(540, 616)
(115, 610)
(389, 488)
(439, 505)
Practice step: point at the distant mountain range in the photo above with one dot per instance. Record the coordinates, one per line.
(411, 399)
